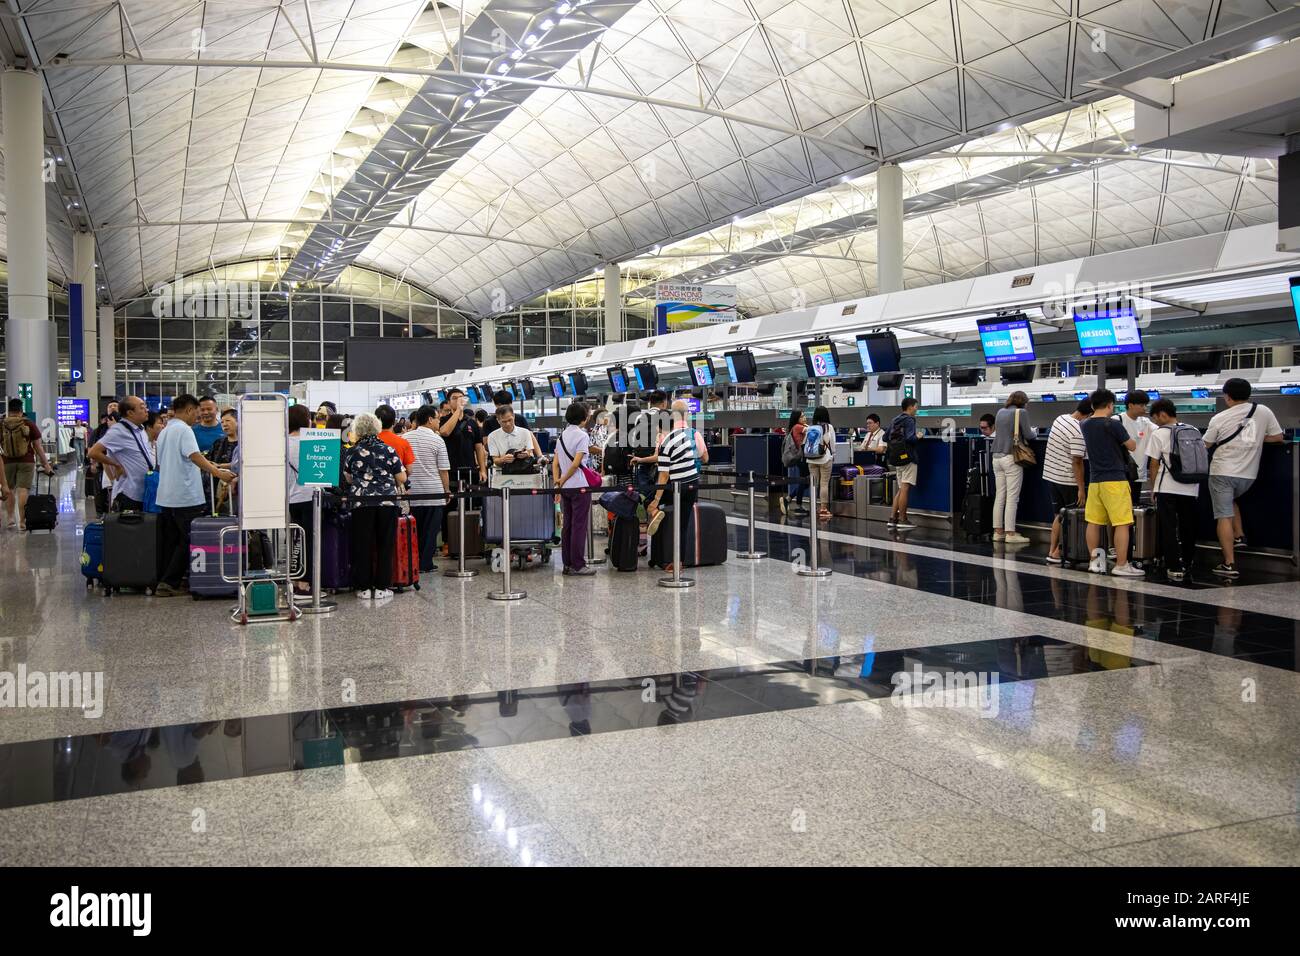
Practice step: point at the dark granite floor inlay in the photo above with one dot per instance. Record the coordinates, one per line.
(965, 674)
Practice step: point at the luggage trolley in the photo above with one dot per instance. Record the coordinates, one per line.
(532, 516)
(264, 506)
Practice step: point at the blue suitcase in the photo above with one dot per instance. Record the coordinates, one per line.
(92, 553)
(206, 557)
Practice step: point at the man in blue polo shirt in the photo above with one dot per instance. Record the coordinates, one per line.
(123, 452)
(180, 490)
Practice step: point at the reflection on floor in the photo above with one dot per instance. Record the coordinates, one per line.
(503, 718)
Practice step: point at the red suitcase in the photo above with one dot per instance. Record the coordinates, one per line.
(406, 557)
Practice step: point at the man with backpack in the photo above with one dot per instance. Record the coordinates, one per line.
(1236, 438)
(20, 446)
(1178, 464)
(900, 455)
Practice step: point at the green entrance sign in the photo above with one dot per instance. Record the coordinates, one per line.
(25, 393)
(319, 453)
(907, 391)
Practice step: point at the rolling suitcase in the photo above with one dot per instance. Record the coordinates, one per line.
(206, 558)
(1146, 535)
(473, 533)
(624, 543)
(532, 518)
(976, 509)
(42, 511)
(406, 556)
(92, 553)
(335, 545)
(1074, 538)
(706, 533)
(131, 548)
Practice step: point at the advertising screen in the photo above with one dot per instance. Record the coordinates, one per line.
(617, 378)
(701, 367)
(1108, 332)
(1006, 339)
(879, 352)
(69, 411)
(821, 358)
(741, 366)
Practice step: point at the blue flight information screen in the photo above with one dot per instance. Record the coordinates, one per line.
(1006, 340)
(1109, 333)
(618, 380)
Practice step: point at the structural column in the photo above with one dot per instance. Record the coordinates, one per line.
(613, 304)
(28, 329)
(107, 356)
(487, 341)
(889, 228)
(83, 273)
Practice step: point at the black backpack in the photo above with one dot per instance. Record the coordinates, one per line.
(898, 453)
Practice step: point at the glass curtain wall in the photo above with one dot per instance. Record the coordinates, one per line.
(570, 317)
(234, 329)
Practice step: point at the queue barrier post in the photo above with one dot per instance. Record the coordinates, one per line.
(811, 569)
(506, 593)
(592, 556)
(460, 571)
(317, 606)
(750, 554)
(675, 580)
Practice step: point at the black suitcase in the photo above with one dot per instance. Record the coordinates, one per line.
(708, 548)
(976, 509)
(1074, 538)
(131, 547)
(624, 543)
(1145, 538)
(42, 511)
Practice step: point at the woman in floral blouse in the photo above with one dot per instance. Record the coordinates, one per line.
(372, 469)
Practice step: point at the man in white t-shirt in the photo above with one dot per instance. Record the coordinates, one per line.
(510, 442)
(1236, 438)
(1175, 500)
(1139, 428)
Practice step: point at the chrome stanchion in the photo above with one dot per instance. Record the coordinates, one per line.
(506, 593)
(317, 606)
(750, 554)
(811, 570)
(592, 557)
(675, 580)
(460, 571)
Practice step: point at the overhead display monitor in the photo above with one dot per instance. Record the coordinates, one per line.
(879, 352)
(529, 389)
(741, 366)
(578, 383)
(1047, 397)
(1290, 390)
(617, 378)
(1295, 297)
(1080, 396)
(1200, 393)
(1153, 394)
(1111, 330)
(701, 367)
(442, 395)
(1006, 339)
(647, 376)
(820, 358)
(557, 385)
(69, 411)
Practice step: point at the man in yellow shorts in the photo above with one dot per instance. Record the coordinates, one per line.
(1110, 500)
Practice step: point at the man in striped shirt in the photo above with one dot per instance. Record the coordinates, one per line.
(682, 453)
(1064, 469)
(428, 475)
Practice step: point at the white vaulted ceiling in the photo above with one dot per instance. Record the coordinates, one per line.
(569, 178)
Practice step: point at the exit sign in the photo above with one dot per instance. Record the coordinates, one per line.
(907, 391)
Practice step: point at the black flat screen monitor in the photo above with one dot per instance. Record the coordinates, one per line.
(701, 367)
(557, 385)
(647, 376)
(741, 366)
(820, 358)
(879, 352)
(578, 382)
(617, 379)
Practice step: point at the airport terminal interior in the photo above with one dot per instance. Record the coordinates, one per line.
(934, 369)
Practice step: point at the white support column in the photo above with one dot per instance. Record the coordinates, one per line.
(27, 329)
(613, 304)
(83, 272)
(108, 384)
(889, 228)
(1283, 355)
(488, 343)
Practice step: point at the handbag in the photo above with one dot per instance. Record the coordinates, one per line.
(1021, 453)
(590, 475)
(149, 497)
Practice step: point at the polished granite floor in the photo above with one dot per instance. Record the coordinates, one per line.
(1088, 760)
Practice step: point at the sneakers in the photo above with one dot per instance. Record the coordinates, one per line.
(1127, 571)
(1110, 553)
(999, 535)
(903, 526)
(586, 572)
(164, 590)
(382, 593)
(365, 595)
(1016, 538)
(1227, 571)
(892, 522)
(1239, 542)
(1098, 563)
(1054, 559)
(1175, 577)
(655, 522)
